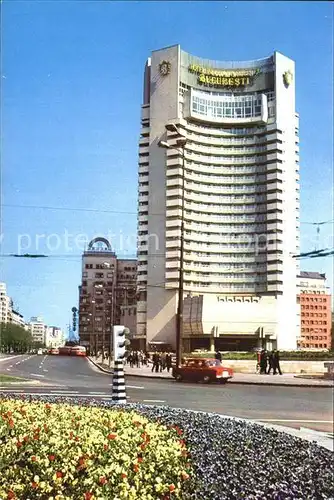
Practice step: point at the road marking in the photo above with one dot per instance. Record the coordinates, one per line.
(66, 392)
(97, 393)
(18, 363)
(45, 370)
(298, 421)
(37, 375)
(132, 386)
(8, 369)
(153, 401)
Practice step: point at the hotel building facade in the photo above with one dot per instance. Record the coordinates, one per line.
(240, 202)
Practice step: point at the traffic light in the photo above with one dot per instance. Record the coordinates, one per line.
(121, 342)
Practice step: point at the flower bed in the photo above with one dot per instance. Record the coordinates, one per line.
(65, 451)
(230, 459)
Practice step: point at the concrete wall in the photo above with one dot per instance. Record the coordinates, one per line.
(288, 311)
(164, 108)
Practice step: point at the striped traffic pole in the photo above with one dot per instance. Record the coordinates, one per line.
(118, 383)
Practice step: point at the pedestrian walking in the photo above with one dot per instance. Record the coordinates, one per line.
(218, 355)
(168, 361)
(163, 361)
(258, 361)
(270, 362)
(276, 362)
(263, 362)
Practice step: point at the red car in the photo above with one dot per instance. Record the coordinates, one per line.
(202, 370)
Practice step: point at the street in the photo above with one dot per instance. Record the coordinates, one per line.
(76, 377)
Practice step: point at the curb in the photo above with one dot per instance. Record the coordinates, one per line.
(104, 370)
(237, 382)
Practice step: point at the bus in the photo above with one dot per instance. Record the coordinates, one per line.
(78, 350)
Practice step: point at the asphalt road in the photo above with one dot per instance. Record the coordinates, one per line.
(73, 377)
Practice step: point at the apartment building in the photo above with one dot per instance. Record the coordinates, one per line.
(37, 328)
(107, 294)
(315, 311)
(234, 184)
(4, 304)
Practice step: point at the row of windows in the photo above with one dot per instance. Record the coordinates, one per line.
(309, 307)
(97, 275)
(316, 337)
(313, 299)
(318, 315)
(247, 131)
(311, 322)
(314, 330)
(227, 106)
(317, 346)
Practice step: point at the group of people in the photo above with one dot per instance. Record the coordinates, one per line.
(160, 360)
(137, 359)
(267, 361)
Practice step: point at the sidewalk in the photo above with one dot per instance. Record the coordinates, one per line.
(288, 379)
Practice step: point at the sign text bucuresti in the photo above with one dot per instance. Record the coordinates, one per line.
(224, 78)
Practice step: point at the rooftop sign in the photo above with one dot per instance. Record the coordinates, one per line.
(224, 78)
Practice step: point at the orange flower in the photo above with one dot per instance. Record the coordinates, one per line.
(112, 436)
(51, 458)
(10, 495)
(140, 460)
(103, 480)
(11, 423)
(47, 406)
(26, 439)
(19, 444)
(135, 467)
(105, 447)
(171, 487)
(88, 495)
(34, 485)
(59, 474)
(184, 476)
(33, 458)
(123, 475)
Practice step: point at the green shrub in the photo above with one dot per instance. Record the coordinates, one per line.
(51, 451)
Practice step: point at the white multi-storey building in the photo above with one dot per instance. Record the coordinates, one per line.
(241, 201)
(5, 304)
(37, 328)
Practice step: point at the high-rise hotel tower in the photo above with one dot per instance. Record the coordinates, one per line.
(239, 167)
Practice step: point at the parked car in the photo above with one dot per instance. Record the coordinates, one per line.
(40, 352)
(202, 370)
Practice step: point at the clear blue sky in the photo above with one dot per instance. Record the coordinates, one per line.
(72, 77)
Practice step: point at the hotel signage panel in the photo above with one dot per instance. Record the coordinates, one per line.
(224, 78)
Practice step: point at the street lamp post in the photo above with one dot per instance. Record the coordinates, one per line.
(180, 147)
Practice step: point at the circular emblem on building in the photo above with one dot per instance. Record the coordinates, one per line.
(164, 68)
(287, 78)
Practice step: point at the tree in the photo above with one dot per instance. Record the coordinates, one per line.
(14, 338)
